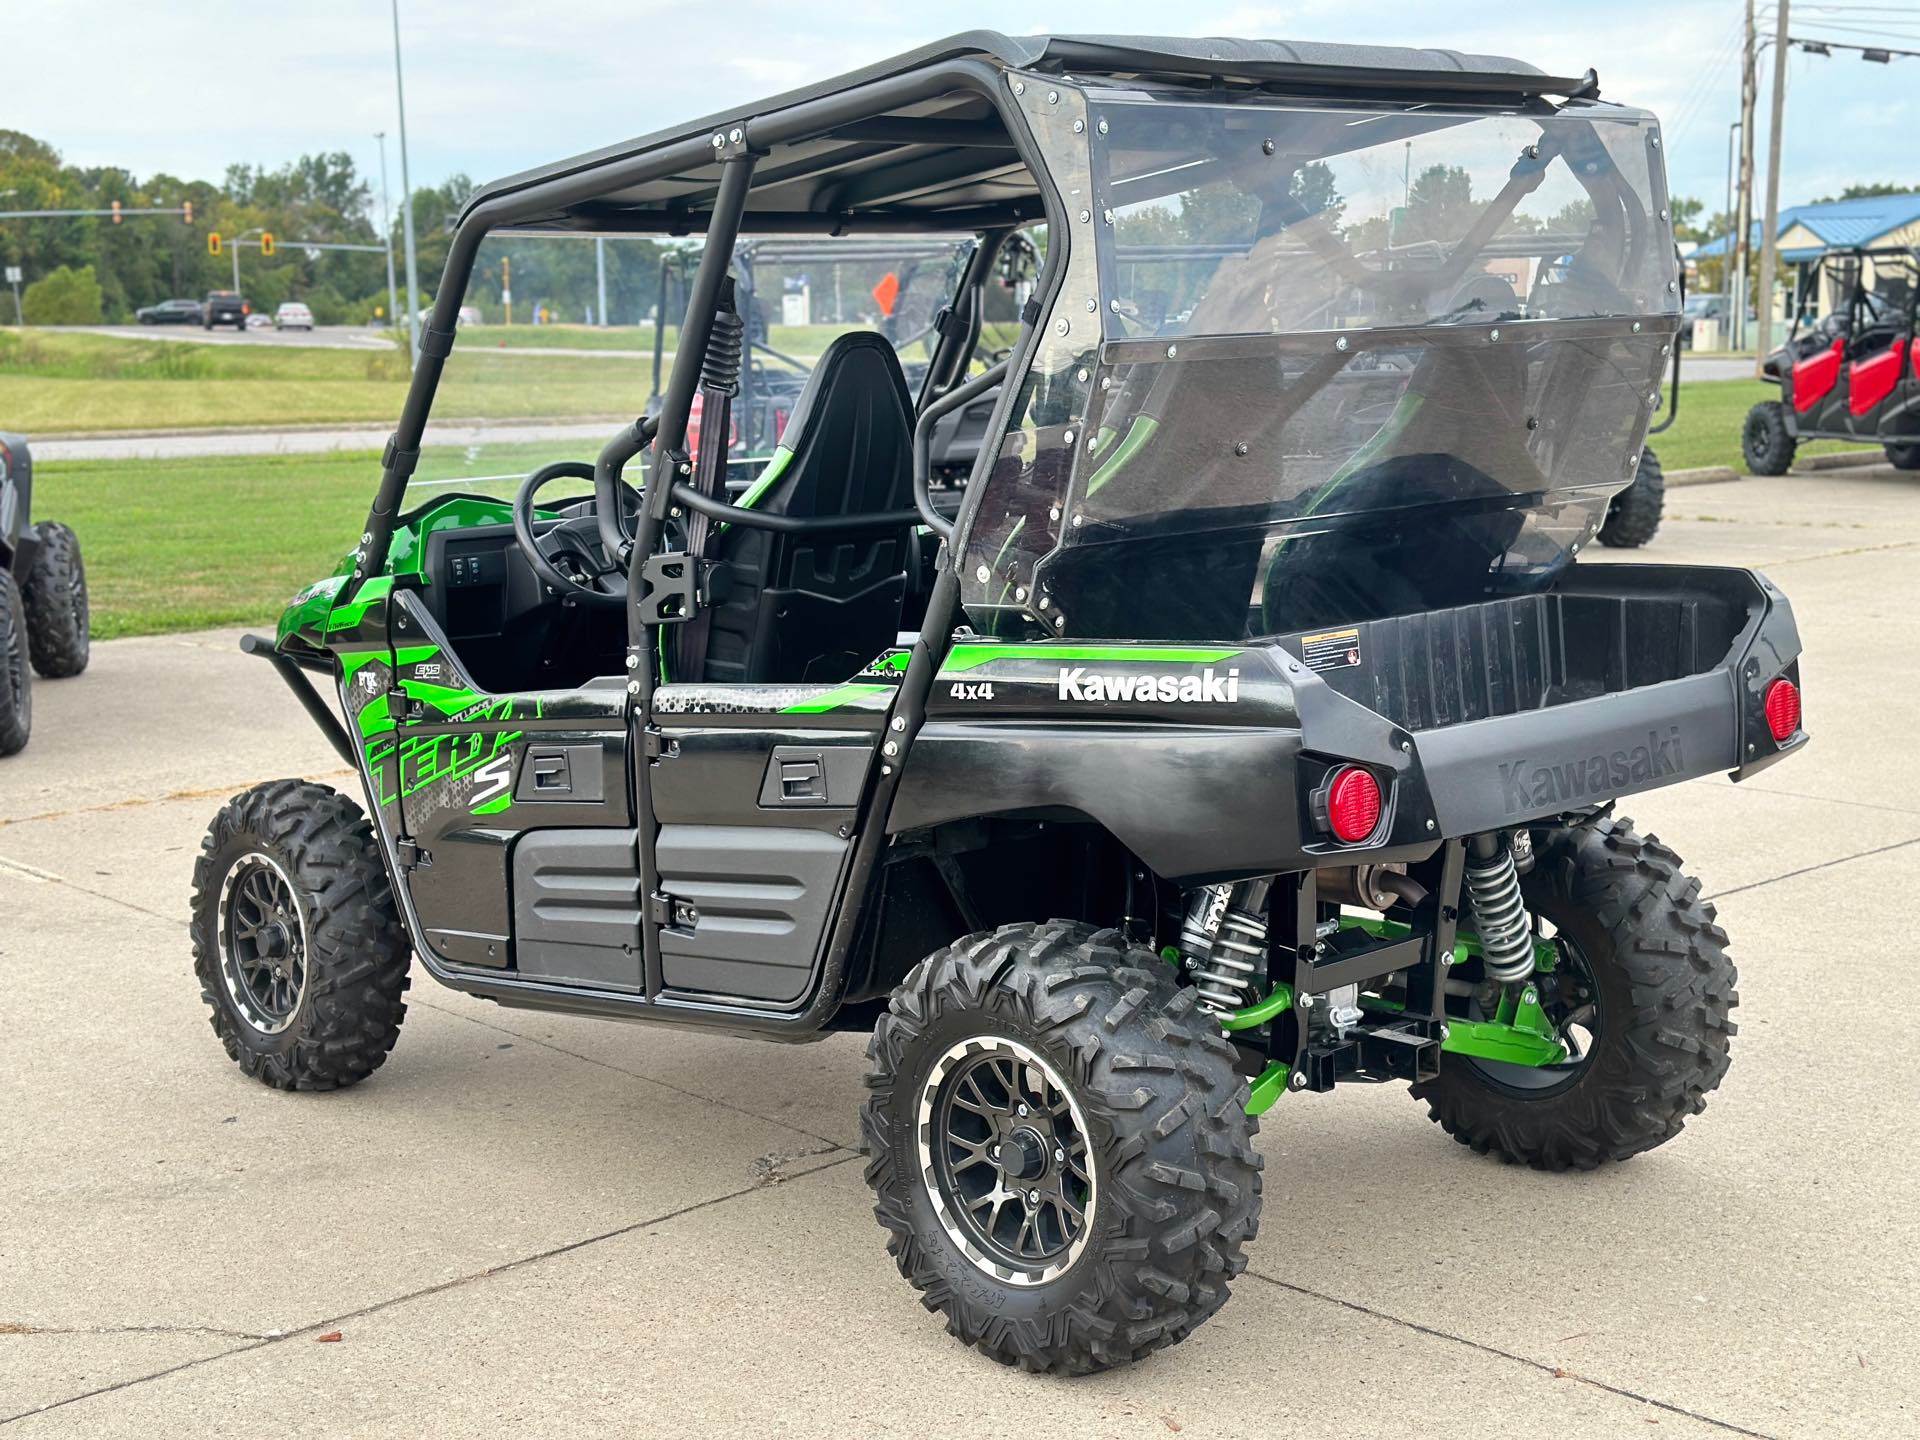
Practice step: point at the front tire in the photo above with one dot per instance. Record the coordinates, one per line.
(58, 612)
(1645, 963)
(1634, 516)
(1904, 457)
(1765, 441)
(1140, 1151)
(16, 694)
(297, 941)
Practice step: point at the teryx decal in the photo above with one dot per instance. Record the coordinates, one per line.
(1209, 687)
(1525, 785)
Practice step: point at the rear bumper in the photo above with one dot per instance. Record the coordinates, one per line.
(1497, 770)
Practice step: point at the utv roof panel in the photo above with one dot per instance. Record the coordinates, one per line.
(943, 160)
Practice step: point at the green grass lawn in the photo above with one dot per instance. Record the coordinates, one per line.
(1708, 430)
(63, 384)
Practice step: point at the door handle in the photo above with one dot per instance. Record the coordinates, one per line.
(802, 781)
(550, 771)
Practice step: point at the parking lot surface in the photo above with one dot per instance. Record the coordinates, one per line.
(548, 1226)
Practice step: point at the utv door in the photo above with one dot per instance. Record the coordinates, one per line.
(757, 791)
(524, 852)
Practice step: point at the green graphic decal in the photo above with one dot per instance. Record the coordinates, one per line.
(845, 697)
(426, 759)
(971, 657)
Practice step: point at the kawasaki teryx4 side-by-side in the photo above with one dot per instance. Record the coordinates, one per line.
(43, 597)
(1242, 727)
(1851, 374)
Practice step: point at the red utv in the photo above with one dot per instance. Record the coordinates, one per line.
(1852, 374)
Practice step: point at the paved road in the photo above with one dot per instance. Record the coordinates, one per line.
(551, 1226)
(323, 337)
(309, 441)
(1714, 367)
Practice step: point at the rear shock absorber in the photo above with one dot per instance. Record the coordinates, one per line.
(1224, 943)
(1499, 913)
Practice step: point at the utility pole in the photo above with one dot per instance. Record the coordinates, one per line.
(386, 233)
(1743, 219)
(406, 199)
(1726, 272)
(600, 273)
(506, 286)
(1768, 247)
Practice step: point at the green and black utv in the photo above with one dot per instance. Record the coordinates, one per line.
(1242, 726)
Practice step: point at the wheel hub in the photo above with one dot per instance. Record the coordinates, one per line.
(1006, 1161)
(263, 948)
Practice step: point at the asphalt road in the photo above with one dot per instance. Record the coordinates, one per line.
(325, 337)
(549, 1226)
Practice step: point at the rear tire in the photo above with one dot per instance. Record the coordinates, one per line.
(58, 612)
(16, 694)
(297, 941)
(1765, 441)
(1904, 457)
(1664, 989)
(1151, 1101)
(1634, 516)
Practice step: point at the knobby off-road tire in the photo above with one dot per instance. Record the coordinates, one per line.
(290, 879)
(58, 613)
(1634, 515)
(1664, 989)
(16, 692)
(1175, 1183)
(1904, 457)
(1765, 442)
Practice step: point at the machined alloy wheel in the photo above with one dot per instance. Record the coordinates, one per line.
(1058, 1146)
(263, 943)
(1003, 1154)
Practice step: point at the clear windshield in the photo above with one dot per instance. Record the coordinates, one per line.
(1348, 362)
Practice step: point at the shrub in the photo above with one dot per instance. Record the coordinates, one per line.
(64, 297)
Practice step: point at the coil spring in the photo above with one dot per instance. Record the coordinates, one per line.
(726, 343)
(1500, 916)
(1226, 949)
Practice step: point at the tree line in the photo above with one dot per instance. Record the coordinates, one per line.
(88, 270)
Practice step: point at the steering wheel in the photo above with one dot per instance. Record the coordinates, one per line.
(570, 557)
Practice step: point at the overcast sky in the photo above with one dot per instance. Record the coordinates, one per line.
(188, 86)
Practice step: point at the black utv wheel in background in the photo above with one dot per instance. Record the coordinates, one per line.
(1643, 973)
(1634, 515)
(1765, 441)
(58, 614)
(296, 939)
(16, 696)
(1059, 1148)
(1904, 457)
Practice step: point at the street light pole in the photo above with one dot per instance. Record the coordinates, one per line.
(600, 273)
(386, 233)
(406, 200)
(1768, 246)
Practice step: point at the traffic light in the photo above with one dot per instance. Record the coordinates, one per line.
(266, 242)
(116, 212)
(213, 242)
(186, 211)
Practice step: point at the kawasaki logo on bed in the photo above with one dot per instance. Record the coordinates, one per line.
(1209, 687)
(1525, 785)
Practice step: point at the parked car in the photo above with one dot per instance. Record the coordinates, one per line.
(1701, 307)
(292, 315)
(170, 312)
(225, 307)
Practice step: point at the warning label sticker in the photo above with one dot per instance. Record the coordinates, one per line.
(1331, 650)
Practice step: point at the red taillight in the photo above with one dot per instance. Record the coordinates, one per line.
(1353, 805)
(1783, 708)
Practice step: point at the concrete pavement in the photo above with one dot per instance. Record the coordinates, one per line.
(549, 1226)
